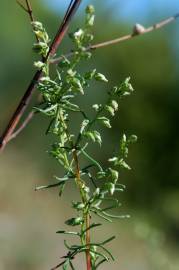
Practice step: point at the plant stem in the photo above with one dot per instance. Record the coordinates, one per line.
(30, 90)
(124, 38)
(88, 257)
(86, 214)
(6, 137)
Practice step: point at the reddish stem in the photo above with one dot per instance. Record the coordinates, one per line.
(88, 256)
(28, 94)
(87, 216)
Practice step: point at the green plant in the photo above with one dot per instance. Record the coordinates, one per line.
(96, 183)
(59, 92)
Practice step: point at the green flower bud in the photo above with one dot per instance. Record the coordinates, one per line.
(100, 77)
(90, 9)
(74, 221)
(132, 139)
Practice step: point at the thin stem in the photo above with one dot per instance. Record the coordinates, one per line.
(145, 30)
(15, 119)
(24, 124)
(64, 27)
(29, 11)
(123, 38)
(88, 257)
(30, 90)
(86, 213)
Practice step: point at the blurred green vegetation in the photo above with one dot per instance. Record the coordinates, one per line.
(151, 113)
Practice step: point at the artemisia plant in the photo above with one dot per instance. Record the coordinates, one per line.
(96, 184)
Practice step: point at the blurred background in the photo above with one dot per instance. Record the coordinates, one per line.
(29, 219)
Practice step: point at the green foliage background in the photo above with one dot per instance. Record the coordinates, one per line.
(28, 220)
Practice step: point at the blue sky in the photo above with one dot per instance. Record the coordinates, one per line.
(130, 10)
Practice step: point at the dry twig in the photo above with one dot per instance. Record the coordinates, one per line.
(138, 30)
(135, 33)
(28, 94)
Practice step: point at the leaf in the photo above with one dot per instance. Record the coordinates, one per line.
(90, 9)
(70, 106)
(93, 225)
(84, 125)
(77, 85)
(110, 109)
(123, 164)
(96, 107)
(70, 233)
(90, 75)
(105, 121)
(71, 72)
(74, 221)
(90, 16)
(110, 187)
(99, 254)
(100, 263)
(71, 265)
(114, 216)
(90, 20)
(78, 34)
(132, 139)
(64, 63)
(101, 215)
(92, 160)
(50, 186)
(49, 111)
(108, 240)
(116, 205)
(61, 189)
(78, 205)
(100, 77)
(125, 88)
(37, 25)
(114, 104)
(90, 135)
(113, 159)
(65, 266)
(114, 175)
(101, 175)
(94, 136)
(101, 245)
(39, 64)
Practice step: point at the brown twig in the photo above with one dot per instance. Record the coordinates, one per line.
(32, 113)
(28, 94)
(88, 256)
(123, 38)
(24, 124)
(21, 5)
(87, 216)
(64, 26)
(136, 32)
(29, 11)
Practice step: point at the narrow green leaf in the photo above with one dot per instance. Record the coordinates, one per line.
(100, 263)
(50, 186)
(74, 221)
(93, 225)
(70, 233)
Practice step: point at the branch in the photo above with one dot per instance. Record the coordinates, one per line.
(29, 11)
(28, 94)
(32, 113)
(24, 124)
(138, 30)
